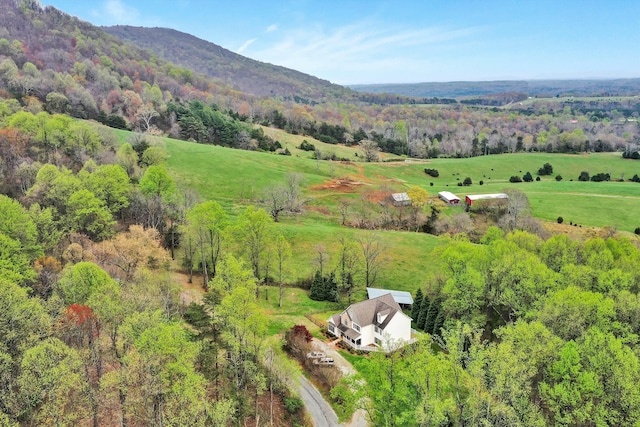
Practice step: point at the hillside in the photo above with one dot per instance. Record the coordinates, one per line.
(242, 73)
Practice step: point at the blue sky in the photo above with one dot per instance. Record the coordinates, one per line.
(401, 41)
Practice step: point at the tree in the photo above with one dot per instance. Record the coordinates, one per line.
(569, 390)
(110, 183)
(145, 114)
(255, 231)
(584, 176)
(516, 211)
(527, 177)
(417, 302)
(419, 199)
(331, 288)
(372, 250)
(371, 150)
(80, 281)
(90, 215)
(157, 182)
(347, 265)
(422, 312)
(206, 223)
(283, 252)
(317, 291)
(276, 199)
(52, 385)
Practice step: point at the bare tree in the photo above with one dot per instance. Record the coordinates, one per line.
(517, 210)
(145, 114)
(344, 205)
(321, 257)
(276, 197)
(372, 250)
(294, 193)
(371, 150)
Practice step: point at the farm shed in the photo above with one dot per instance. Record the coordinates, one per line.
(401, 297)
(401, 199)
(474, 197)
(449, 197)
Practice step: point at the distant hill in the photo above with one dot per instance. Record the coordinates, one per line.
(242, 73)
(546, 88)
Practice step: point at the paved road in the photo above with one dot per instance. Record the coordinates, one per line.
(320, 411)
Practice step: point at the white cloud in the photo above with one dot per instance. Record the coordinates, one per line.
(271, 28)
(246, 45)
(120, 12)
(363, 51)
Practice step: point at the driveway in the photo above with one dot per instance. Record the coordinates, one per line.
(324, 414)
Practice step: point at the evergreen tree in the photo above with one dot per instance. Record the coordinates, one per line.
(317, 291)
(422, 315)
(415, 309)
(432, 314)
(332, 289)
(439, 322)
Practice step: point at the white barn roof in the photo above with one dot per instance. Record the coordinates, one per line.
(487, 196)
(401, 197)
(447, 195)
(401, 297)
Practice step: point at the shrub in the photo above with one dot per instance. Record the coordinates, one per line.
(537, 179)
(546, 169)
(432, 172)
(481, 182)
(560, 220)
(527, 177)
(637, 230)
(306, 146)
(515, 178)
(584, 176)
(293, 404)
(635, 178)
(601, 177)
(467, 182)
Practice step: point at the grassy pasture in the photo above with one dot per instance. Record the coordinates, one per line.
(236, 178)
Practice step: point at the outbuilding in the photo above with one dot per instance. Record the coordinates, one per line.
(475, 197)
(401, 199)
(449, 197)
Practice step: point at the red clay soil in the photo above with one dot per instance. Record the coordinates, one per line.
(343, 184)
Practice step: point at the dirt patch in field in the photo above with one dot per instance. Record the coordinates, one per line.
(343, 184)
(577, 232)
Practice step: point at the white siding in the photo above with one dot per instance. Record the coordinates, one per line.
(397, 330)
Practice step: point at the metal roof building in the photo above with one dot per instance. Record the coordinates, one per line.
(401, 297)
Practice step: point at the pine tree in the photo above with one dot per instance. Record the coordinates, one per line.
(422, 315)
(332, 289)
(432, 314)
(439, 322)
(317, 291)
(415, 309)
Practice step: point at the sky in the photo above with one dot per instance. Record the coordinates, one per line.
(402, 41)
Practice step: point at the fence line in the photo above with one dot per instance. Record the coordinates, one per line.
(317, 322)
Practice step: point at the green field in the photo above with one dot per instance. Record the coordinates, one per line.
(236, 178)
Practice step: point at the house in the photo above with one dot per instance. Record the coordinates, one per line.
(401, 199)
(404, 299)
(372, 325)
(472, 198)
(449, 197)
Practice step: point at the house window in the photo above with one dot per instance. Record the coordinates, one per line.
(378, 330)
(356, 327)
(331, 328)
(378, 342)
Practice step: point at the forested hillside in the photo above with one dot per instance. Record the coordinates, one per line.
(242, 73)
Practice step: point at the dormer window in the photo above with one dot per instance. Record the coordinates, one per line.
(381, 317)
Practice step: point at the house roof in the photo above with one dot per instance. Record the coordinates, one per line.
(364, 312)
(401, 297)
(401, 197)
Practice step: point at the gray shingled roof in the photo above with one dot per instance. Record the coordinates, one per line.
(364, 312)
(401, 297)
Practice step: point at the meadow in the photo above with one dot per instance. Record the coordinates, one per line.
(237, 178)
